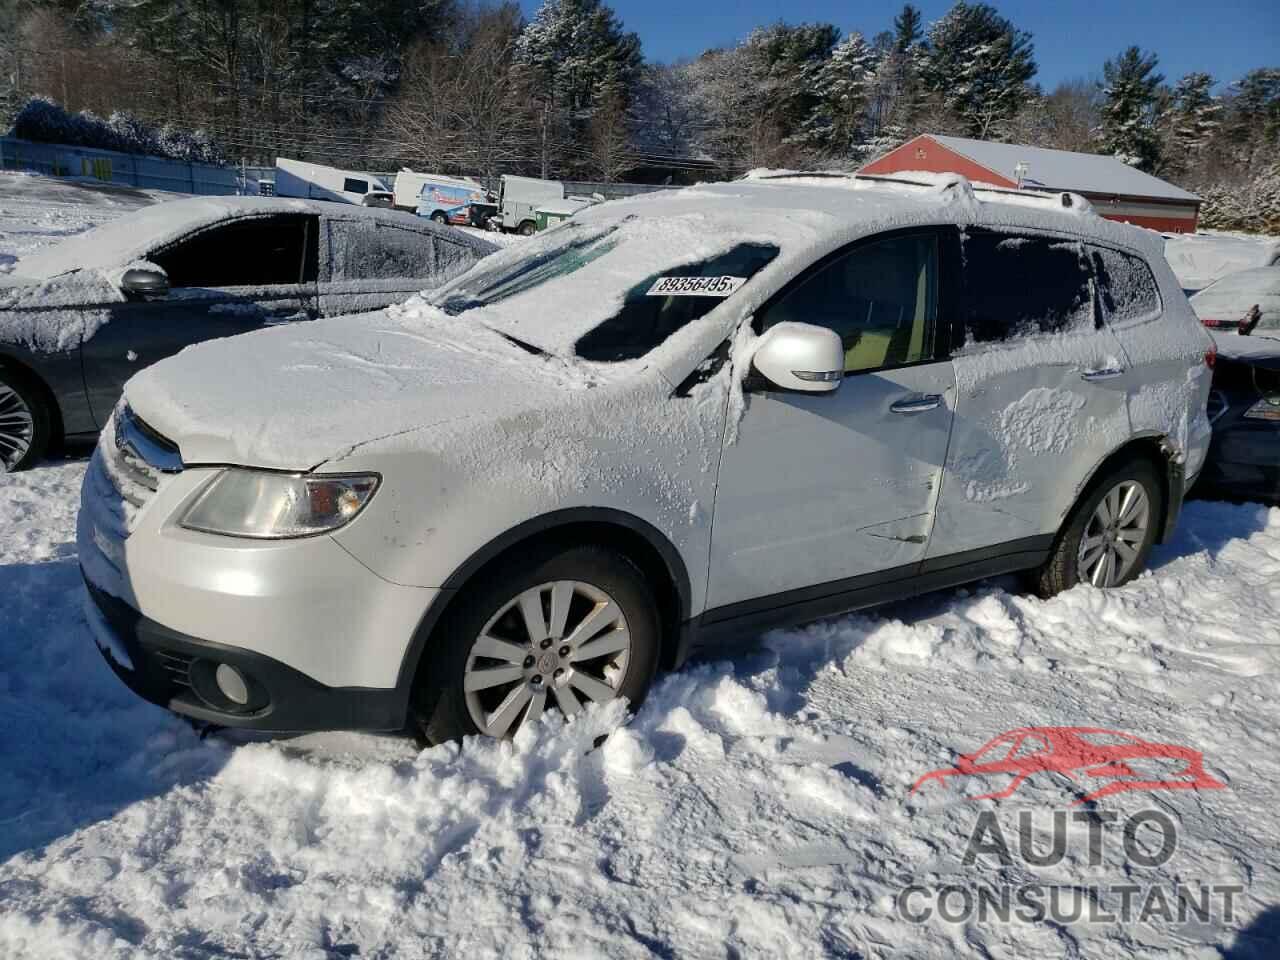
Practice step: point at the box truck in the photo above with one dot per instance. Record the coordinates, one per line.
(295, 178)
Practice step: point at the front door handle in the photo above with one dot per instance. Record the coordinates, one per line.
(918, 404)
(1106, 373)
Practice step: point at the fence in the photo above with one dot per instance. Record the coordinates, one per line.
(154, 173)
(125, 169)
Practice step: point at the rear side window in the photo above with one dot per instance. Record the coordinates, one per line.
(881, 298)
(649, 314)
(1126, 288)
(352, 185)
(249, 252)
(1021, 285)
(379, 251)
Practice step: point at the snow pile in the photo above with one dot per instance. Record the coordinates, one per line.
(751, 808)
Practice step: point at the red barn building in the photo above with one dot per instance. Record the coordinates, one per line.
(1116, 190)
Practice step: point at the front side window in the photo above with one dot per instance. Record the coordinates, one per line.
(1126, 288)
(1016, 286)
(352, 185)
(249, 252)
(881, 298)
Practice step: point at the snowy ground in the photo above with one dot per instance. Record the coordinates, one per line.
(753, 807)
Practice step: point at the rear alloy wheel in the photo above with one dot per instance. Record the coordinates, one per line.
(24, 423)
(1114, 534)
(560, 628)
(1109, 534)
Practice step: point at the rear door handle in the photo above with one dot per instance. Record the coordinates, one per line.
(1106, 373)
(918, 404)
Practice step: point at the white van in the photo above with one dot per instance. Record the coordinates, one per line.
(409, 185)
(521, 198)
(315, 181)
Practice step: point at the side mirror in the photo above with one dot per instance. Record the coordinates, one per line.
(799, 356)
(144, 284)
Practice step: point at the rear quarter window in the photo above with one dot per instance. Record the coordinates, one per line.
(1126, 289)
(1018, 285)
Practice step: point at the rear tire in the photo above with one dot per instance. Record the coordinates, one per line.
(439, 217)
(527, 228)
(1096, 546)
(605, 644)
(26, 425)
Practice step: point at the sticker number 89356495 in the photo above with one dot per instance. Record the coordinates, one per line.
(695, 286)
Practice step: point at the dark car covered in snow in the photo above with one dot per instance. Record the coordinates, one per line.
(1242, 311)
(78, 319)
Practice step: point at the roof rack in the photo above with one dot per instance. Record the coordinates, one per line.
(1066, 199)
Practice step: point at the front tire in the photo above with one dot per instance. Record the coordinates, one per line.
(25, 422)
(1110, 532)
(557, 630)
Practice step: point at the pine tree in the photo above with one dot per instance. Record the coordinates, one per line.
(568, 53)
(980, 65)
(842, 85)
(1129, 109)
(1189, 123)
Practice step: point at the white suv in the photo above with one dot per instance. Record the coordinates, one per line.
(670, 422)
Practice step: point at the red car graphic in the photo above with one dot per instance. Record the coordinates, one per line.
(1077, 753)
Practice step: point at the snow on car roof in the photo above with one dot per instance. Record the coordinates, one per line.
(134, 235)
(804, 216)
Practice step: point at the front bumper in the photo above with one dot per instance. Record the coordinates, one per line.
(322, 638)
(176, 671)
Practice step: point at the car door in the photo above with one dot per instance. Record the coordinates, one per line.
(224, 280)
(816, 489)
(1041, 398)
(373, 263)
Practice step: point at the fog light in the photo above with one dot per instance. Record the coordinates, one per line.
(231, 684)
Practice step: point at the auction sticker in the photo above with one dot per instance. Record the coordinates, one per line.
(695, 286)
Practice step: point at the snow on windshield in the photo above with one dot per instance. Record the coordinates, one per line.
(565, 292)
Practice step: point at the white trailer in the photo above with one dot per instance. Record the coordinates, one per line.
(315, 181)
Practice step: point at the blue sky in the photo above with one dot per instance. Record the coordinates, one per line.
(1072, 39)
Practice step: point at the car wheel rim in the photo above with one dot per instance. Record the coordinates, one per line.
(562, 644)
(17, 426)
(1114, 535)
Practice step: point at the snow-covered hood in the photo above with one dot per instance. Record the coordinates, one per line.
(293, 397)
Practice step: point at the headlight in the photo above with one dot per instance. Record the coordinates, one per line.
(1268, 408)
(274, 506)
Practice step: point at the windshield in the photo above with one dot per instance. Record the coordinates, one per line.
(606, 293)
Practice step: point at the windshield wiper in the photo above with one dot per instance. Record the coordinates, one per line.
(527, 347)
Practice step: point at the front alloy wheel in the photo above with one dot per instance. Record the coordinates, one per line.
(564, 643)
(556, 627)
(1114, 535)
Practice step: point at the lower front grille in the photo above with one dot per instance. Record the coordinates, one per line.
(176, 665)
